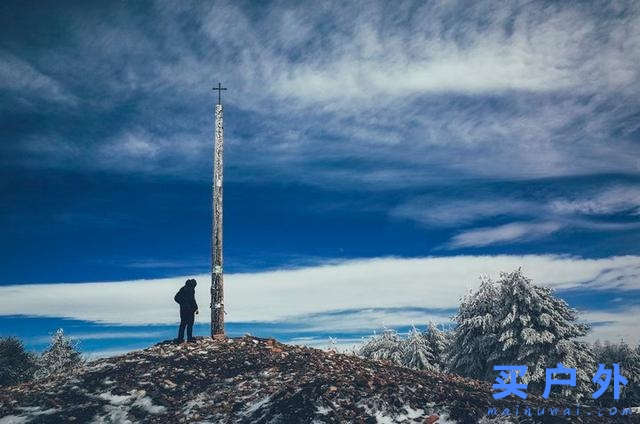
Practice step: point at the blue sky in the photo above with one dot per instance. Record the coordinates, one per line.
(429, 142)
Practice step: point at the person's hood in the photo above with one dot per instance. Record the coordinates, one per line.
(191, 283)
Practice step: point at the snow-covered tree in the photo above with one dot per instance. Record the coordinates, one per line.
(333, 345)
(514, 322)
(474, 338)
(16, 364)
(437, 343)
(61, 355)
(386, 346)
(416, 353)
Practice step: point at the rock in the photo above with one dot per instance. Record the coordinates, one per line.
(431, 419)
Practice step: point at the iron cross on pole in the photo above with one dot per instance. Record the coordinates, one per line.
(219, 88)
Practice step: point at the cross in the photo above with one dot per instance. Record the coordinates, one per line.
(219, 88)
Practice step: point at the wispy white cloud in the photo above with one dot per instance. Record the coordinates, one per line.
(604, 202)
(103, 335)
(437, 47)
(26, 82)
(614, 325)
(549, 214)
(135, 151)
(513, 232)
(369, 319)
(159, 263)
(445, 211)
(374, 65)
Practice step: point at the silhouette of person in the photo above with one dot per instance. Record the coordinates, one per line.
(188, 307)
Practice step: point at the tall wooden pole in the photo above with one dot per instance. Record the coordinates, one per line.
(217, 286)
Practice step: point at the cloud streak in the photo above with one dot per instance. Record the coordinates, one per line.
(26, 82)
(516, 231)
(614, 325)
(617, 199)
(359, 295)
(547, 214)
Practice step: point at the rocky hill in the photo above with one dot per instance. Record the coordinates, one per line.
(252, 380)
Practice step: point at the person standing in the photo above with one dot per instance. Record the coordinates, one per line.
(186, 298)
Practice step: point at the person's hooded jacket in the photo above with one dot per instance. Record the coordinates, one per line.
(186, 296)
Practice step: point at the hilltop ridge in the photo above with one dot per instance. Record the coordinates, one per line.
(248, 380)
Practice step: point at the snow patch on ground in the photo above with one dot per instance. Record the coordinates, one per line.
(381, 418)
(99, 366)
(414, 413)
(388, 417)
(115, 399)
(322, 410)
(115, 414)
(256, 405)
(147, 404)
(36, 410)
(30, 412)
(14, 419)
(199, 402)
(445, 419)
(119, 406)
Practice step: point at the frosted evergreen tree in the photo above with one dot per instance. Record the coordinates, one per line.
(416, 352)
(333, 345)
(62, 355)
(436, 341)
(387, 345)
(538, 329)
(474, 338)
(514, 322)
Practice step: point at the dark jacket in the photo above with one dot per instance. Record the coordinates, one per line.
(186, 297)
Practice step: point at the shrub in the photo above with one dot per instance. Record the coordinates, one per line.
(16, 364)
